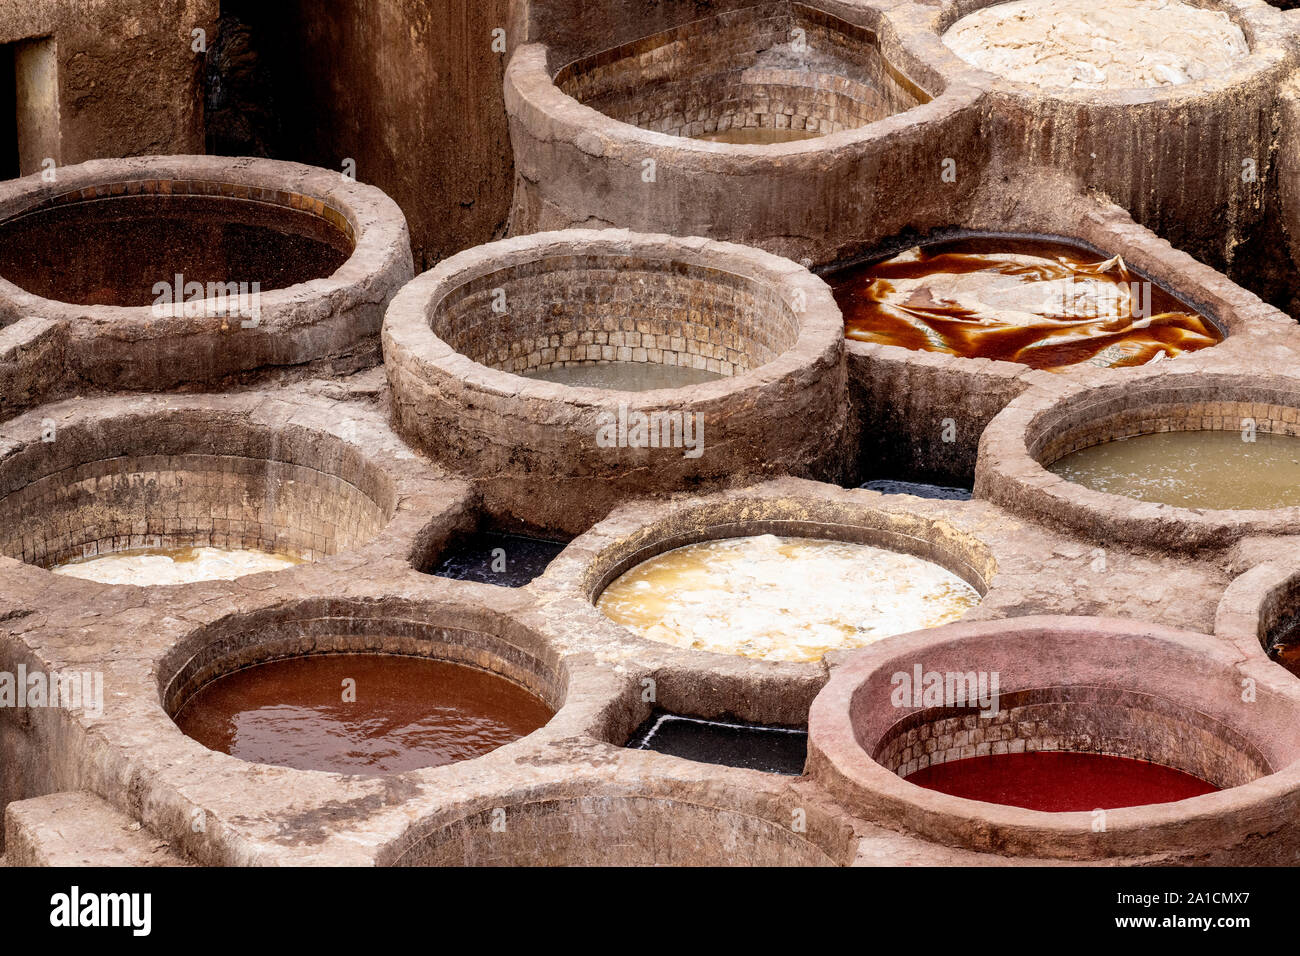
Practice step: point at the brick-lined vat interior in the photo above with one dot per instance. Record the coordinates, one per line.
(626, 828)
(1070, 685)
(1093, 720)
(772, 66)
(167, 483)
(586, 309)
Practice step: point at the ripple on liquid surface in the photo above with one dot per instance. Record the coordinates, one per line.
(408, 713)
(783, 598)
(155, 566)
(1042, 303)
(1192, 469)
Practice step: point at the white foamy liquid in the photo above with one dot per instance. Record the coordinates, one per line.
(783, 599)
(1113, 45)
(174, 566)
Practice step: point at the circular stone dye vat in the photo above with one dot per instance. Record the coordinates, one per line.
(1060, 782)
(113, 250)
(783, 599)
(1042, 303)
(1116, 45)
(406, 713)
(1193, 469)
(155, 566)
(763, 74)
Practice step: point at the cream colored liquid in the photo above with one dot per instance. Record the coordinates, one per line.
(783, 599)
(1083, 44)
(758, 136)
(154, 566)
(1200, 469)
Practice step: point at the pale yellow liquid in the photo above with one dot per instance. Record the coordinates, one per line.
(1199, 469)
(783, 599)
(758, 136)
(155, 566)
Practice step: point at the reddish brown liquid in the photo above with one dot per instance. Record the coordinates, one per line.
(409, 713)
(1060, 782)
(113, 251)
(882, 304)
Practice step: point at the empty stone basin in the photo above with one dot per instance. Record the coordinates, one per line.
(1052, 693)
(222, 496)
(1118, 45)
(1041, 302)
(765, 74)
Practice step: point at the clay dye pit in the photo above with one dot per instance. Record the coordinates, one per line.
(1043, 304)
(1192, 469)
(490, 557)
(1059, 782)
(625, 376)
(918, 489)
(408, 713)
(156, 566)
(1116, 45)
(114, 251)
(783, 599)
(728, 743)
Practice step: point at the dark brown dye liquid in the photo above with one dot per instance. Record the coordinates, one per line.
(408, 713)
(1015, 300)
(1286, 645)
(113, 251)
(1060, 782)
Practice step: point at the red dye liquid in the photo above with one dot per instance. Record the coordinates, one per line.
(1060, 782)
(408, 713)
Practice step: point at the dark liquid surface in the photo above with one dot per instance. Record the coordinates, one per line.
(724, 742)
(1286, 645)
(489, 557)
(1061, 782)
(1041, 303)
(113, 251)
(919, 489)
(408, 713)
